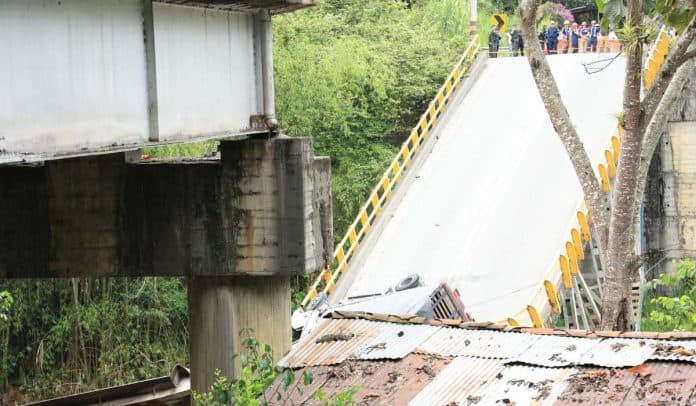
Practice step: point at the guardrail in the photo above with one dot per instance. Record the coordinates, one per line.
(569, 263)
(656, 57)
(346, 248)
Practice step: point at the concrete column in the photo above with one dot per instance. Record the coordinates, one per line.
(220, 308)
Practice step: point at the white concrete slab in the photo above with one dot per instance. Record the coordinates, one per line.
(493, 204)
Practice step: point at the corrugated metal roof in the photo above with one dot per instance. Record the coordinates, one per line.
(394, 341)
(675, 351)
(469, 380)
(523, 385)
(491, 344)
(464, 379)
(619, 352)
(491, 367)
(477, 343)
(363, 339)
(655, 383)
(330, 343)
(555, 351)
(446, 341)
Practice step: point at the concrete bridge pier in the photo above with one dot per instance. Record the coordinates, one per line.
(237, 228)
(221, 308)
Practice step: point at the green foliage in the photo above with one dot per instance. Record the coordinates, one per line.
(257, 375)
(676, 13)
(196, 149)
(344, 398)
(71, 335)
(356, 75)
(633, 37)
(5, 305)
(677, 311)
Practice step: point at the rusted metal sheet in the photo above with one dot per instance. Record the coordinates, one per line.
(332, 342)
(389, 383)
(465, 379)
(524, 385)
(675, 351)
(556, 351)
(653, 383)
(394, 340)
(477, 343)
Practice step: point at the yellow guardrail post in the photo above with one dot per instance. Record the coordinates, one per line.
(534, 316)
(553, 297)
(350, 242)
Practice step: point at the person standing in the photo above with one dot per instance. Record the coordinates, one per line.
(565, 34)
(542, 38)
(552, 39)
(517, 42)
(574, 38)
(584, 36)
(594, 36)
(493, 42)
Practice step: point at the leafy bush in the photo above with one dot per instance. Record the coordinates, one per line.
(677, 311)
(257, 375)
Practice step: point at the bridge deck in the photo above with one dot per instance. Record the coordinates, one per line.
(492, 205)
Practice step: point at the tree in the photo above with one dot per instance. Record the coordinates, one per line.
(643, 121)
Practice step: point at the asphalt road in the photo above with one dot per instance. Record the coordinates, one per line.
(493, 204)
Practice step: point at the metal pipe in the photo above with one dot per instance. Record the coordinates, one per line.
(267, 70)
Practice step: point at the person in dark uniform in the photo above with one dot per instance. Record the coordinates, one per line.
(594, 36)
(517, 41)
(493, 42)
(575, 38)
(552, 39)
(542, 38)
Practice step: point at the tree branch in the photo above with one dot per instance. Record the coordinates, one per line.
(676, 57)
(551, 97)
(688, 55)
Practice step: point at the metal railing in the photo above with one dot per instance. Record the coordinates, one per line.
(656, 57)
(346, 248)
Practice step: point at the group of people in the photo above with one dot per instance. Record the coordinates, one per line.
(514, 39)
(572, 38)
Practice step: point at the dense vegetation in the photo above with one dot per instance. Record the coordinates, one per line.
(354, 75)
(670, 300)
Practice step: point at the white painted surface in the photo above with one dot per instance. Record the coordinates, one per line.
(494, 203)
(205, 70)
(71, 74)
